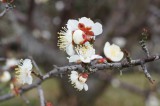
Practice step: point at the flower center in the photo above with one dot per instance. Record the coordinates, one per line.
(83, 77)
(86, 30)
(113, 52)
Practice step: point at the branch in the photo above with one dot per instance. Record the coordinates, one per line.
(59, 70)
(7, 8)
(41, 96)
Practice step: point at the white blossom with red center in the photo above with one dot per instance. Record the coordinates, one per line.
(78, 32)
(85, 54)
(79, 80)
(113, 52)
(23, 72)
(84, 29)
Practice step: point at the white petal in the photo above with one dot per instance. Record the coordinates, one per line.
(73, 77)
(68, 35)
(69, 50)
(29, 80)
(72, 24)
(27, 64)
(79, 85)
(115, 47)
(74, 72)
(107, 50)
(85, 60)
(97, 28)
(85, 87)
(78, 37)
(107, 44)
(118, 57)
(96, 57)
(74, 58)
(86, 21)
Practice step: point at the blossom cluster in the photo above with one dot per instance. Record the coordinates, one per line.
(77, 40)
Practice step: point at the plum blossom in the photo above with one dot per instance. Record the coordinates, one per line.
(86, 25)
(84, 28)
(65, 41)
(5, 77)
(78, 32)
(23, 73)
(78, 80)
(113, 52)
(10, 62)
(84, 54)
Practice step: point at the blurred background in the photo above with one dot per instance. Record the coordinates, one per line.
(30, 29)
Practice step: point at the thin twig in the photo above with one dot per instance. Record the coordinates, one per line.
(7, 8)
(40, 90)
(41, 96)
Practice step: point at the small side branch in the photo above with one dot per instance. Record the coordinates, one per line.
(41, 96)
(147, 74)
(7, 8)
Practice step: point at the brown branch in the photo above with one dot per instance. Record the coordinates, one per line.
(57, 70)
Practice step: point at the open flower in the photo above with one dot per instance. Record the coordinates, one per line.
(84, 54)
(65, 41)
(113, 52)
(5, 77)
(24, 72)
(78, 80)
(86, 25)
(11, 62)
(84, 29)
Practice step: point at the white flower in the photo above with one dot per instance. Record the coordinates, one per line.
(86, 25)
(65, 41)
(5, 77)
(78, 80)
(113, 52)
(84, 54)
(152, 100)
(10, 63)
(24, 72)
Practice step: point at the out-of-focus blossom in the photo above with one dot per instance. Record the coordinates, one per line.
(84, 54)
(115, 83)
(59, 5)
(65, 41)
(7, 1)
(79, 80)
(46, 35)
(119, 41)
(36, 33)
(23, 72)
(56, 20)
(152, 100)
(113, 52)
(5, 77)
(10, 62)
